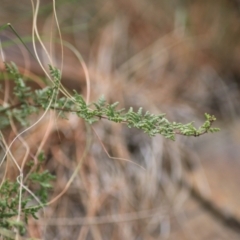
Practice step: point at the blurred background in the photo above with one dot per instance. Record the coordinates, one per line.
(181, 58)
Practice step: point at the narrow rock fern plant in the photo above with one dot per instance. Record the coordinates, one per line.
(27, 101)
